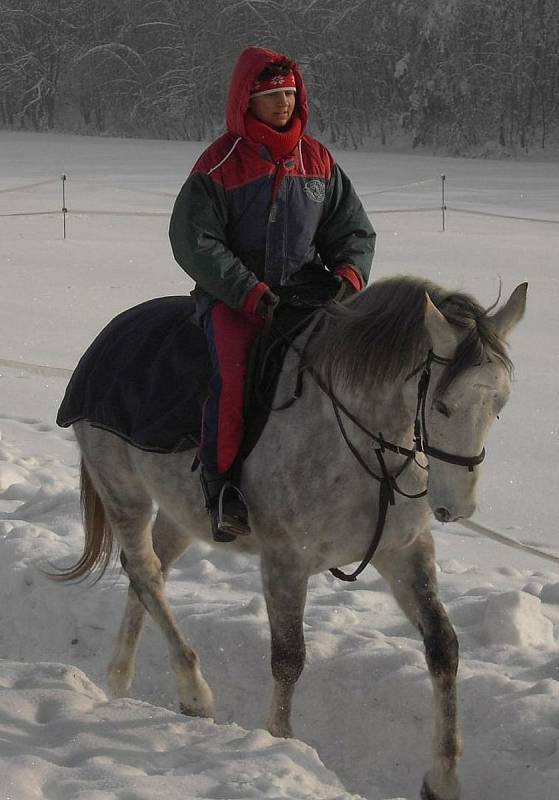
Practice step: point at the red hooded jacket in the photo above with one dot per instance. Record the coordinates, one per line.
(244, 221)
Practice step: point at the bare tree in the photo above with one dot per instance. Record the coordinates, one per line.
(452, 74)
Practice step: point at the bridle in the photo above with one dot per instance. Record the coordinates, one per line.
(421, 441)
(389, 482)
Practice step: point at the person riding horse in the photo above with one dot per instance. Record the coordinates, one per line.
(265, 207)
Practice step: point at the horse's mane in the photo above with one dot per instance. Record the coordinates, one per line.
(380, 334)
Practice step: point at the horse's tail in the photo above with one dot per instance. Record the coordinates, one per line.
(98, 545)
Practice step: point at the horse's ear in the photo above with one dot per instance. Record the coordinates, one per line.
(443, 335)
(512, 312)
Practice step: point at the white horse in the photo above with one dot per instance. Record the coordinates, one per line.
(417, 372)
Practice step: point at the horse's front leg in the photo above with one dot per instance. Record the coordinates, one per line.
(285, 590)
(412, 577)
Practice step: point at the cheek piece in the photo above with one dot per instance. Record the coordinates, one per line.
(420, 427)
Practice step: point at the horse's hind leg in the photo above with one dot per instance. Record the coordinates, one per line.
(412, 577)
(144, 570)
(128, 509)
(169, 542)
(285, 591)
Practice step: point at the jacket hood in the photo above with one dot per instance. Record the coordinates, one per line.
(250, 64)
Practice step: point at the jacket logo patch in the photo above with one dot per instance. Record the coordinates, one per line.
(315, 191)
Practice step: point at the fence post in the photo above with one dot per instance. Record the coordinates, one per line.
(443, 206)
(64, 209)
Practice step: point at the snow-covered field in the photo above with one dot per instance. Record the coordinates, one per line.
(363, 706)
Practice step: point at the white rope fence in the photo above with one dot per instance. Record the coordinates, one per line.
(78, 212)
(377, 211)
(482, 530)
(131, 189)
(501, 216)
(31, 213)
(26, 186)
(100, 212)
(398, 188)
(36, 369)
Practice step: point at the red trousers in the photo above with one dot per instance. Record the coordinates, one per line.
(230, 334)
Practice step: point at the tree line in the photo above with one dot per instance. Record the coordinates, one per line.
(449, 74)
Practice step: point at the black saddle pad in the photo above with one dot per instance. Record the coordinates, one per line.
(144, 377)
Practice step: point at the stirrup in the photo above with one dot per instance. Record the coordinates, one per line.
(232, 512)
(226, 506)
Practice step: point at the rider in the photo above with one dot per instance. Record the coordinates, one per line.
(265, 206)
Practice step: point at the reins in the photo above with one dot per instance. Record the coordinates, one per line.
(286, 339)
(388, 483)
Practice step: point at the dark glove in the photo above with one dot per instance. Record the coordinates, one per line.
(345, 291)
(266, 305)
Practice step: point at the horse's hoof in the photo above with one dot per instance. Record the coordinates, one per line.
(428, 794)
(280, 731)
(196, 711)
(119, 683)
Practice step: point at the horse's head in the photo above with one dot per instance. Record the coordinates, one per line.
(463, 400)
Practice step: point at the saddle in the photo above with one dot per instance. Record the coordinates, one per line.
(145, 376)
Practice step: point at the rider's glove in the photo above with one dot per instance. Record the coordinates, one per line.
(260, 301)
(266, 305)
(350, 282)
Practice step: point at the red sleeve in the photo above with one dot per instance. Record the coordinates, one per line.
(351, 275)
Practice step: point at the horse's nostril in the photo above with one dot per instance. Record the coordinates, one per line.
(442, 514)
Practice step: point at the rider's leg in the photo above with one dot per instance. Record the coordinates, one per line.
(230, 334)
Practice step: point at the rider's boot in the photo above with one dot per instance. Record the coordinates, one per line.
(226, 506)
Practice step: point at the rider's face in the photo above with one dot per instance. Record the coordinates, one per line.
(275, 109)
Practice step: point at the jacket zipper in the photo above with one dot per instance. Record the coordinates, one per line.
(272, 215)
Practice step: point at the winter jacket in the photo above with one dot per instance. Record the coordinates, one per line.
(243, 221)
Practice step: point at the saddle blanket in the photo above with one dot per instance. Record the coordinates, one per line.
(144, 377)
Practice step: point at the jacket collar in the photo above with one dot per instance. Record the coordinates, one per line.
(278, 143)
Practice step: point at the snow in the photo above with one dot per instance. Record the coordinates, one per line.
(516, 618)
(78, 744)
(363, 710)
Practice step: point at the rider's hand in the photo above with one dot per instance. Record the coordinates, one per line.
(266, 305)
(345, 291)
(350, 280)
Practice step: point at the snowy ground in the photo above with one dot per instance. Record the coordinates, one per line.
(59, 737)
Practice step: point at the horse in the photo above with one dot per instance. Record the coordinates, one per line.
(400, 386)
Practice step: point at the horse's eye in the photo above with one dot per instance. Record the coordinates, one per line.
(441, 408)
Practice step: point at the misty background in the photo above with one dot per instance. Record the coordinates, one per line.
(464, 77)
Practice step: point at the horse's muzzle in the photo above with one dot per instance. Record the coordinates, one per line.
(443, 514)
